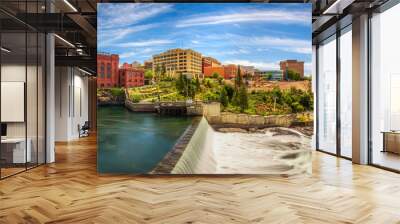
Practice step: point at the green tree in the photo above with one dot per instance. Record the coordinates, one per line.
(269, 76)
(230, 91)
(157, 79)
(243, 98)
(197, 84)
(224, 99)
(148, 74)
(238, 78)
(240, 97)
(215, 75)
(162, 72)
(180, 84)
(291, 75)
(187, 87)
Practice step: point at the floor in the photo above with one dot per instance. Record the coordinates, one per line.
(70, 191)
(10, 171)
(387, 159)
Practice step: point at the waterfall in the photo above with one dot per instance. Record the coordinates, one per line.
(273, 151)
(198, 158)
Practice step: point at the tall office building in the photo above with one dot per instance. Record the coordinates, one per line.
(179, 61)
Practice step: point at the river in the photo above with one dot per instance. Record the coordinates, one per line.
(134, 142)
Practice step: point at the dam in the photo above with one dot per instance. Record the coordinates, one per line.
(275, 150)
(138, 143)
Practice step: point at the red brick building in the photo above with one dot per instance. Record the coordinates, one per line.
(209, 71)
(107, 70)
(209, 62)
(293, 65)
(230, 71)
(148, 65)
(130, 76)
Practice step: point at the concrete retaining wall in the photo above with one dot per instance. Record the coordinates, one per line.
(211, 109)
(195, 109)
(140, 107)
(252, 120)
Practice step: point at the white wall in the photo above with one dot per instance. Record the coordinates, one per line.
(71, 103)
(33, 126)
(12, 73)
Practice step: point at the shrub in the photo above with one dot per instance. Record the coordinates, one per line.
(210, 96)
(224, 99)
(135, 98)
(117, 92)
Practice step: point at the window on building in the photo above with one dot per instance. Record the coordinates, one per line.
(108, 70)
(102, 70)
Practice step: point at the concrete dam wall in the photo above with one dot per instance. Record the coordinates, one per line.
(198, 157)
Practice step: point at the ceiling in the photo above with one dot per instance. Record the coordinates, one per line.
(329, 14)
(73, 21)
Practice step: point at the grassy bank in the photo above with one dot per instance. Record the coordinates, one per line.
(233, 97)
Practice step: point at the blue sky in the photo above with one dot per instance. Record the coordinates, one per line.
(257, 34)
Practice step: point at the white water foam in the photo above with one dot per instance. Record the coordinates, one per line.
(277, 151)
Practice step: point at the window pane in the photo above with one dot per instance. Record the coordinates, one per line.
(327, 96)
(31, 98)
(385, 92)
(13, 86)
(346, 93)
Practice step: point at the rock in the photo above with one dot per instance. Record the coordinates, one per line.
(252, 129)
(227, 130)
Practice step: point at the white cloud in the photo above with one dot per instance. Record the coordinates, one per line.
(138, 52)
(258, 65)
(109, 36)
(263, 43)
(127, 54)
(121, 15)
(246, 15)
(232, 52)
(146, 43)
(286, 44)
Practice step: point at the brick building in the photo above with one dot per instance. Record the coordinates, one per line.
(209, 71)
(293, 65)
(209, 62)
(130, 76)
(247, 70)
(230, 71)
(107, 70)
(148, 65)
(137, 64)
